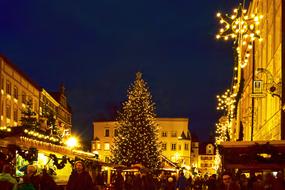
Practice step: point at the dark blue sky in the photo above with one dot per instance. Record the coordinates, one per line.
(96, 47)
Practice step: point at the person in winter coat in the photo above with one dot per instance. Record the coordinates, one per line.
(47, 182)
(181, 182)
(119, 181)
(79, 178)
(27, 184)
(33, 177)
(228, 183)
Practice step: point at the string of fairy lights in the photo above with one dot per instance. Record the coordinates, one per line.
(242, 27)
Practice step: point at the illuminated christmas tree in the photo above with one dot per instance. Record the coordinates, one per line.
(137, 139)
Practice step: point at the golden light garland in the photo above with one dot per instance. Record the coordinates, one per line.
(242, 27)
(227, 102)
(221, 131)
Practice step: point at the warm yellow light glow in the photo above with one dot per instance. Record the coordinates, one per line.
(240, 27)
(42, 159)
(71, 142)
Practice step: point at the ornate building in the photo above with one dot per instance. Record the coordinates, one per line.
(206, 158)
(17, 89)
(260, 106)
(255, 102)
(258, 80)
(173, 134)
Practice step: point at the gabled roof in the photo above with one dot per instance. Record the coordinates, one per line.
(184, 137)
(14, 67)
(203, 146)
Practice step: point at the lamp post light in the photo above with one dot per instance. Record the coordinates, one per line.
(71, 142)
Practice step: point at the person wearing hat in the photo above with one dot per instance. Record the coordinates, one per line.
(79, 178)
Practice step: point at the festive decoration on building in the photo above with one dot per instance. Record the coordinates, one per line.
(222, 130)
(242, 27)
(137, 139)
(30, 155)
(29, 117)
(218, 162)
(226, 103)
(59, 165)
(48, 118)
(40, 135)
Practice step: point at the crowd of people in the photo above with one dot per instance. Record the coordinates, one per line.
(80, 179)
(30, 181)
(226, 181)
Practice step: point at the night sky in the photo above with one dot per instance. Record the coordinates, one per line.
(95, 47)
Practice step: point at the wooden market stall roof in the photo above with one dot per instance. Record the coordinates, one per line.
(253, 155)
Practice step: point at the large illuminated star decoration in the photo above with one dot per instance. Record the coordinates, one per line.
(242, 27)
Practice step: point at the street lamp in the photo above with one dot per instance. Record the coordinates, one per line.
(71, 142)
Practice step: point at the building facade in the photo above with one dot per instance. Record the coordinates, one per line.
(173, 134)
(17, 89)
(260, 86)
(206, 159)
(194, 153)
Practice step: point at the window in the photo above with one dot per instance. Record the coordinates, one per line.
(93, 146)
(107, 132)
(164, 134)
(24, 98)
(2, 108)
(15, 114)
(179, 147)
(98, 146)
(8, 111)
(116, 132)
(186, 146)
(173, 134)
(8, 87)
(106, 146)
(164, 146)
(210, 149)
(173, 146)
(16, 92)
(2, 82)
